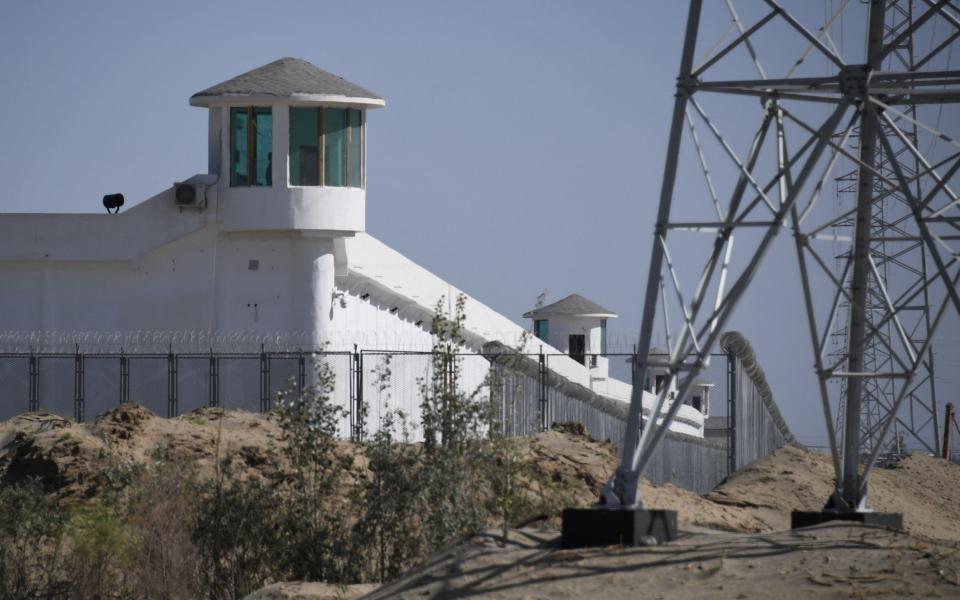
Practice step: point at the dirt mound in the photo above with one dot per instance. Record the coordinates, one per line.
(924, 488)
(790, 479)
(52, 449)
(74, 460)
(123, 422)
(561, 454)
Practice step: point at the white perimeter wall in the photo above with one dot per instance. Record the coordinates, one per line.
(332, 292)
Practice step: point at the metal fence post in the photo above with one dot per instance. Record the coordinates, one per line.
(214, 386)
(947, 430)
(33, 402)
(301, 372)
(352, 376)
(638, 378)
(356, 409)
(542, 385)
(172, 385)
(124, 377)
(264, 380)
(78, 385)
(731, 413)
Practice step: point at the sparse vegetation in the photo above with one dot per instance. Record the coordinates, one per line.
(324, 510)
(31, 543)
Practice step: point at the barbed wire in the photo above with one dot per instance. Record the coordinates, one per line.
(141, 341)
(195, 341)
(192, 341)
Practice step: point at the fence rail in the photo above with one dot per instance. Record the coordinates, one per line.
(526, 393)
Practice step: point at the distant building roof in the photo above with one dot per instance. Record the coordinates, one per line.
(287, 78)
(573, 305)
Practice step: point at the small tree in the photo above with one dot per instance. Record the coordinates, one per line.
(453, 425)
(31, 543)
(103, 546)
(237, 534)
(509, 472)
(389, 492)
(317, 545)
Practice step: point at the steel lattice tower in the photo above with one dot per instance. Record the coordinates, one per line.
(793, 124)
(897, 264)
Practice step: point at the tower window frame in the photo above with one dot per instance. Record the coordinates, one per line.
(603, 337)
(541, 329)
(337, 130)
(250, 146)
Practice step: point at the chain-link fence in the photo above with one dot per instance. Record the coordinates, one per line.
(756, 425)
(526, 394)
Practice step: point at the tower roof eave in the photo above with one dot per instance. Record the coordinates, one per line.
(253, 99)
(287, 79)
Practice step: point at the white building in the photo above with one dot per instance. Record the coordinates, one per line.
(269, 241)
(577, 327)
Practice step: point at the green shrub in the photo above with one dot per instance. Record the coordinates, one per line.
(161, 509)
(102, 550)
(31, 543)
(235, 533)
(158, 531)
(315, 518)
(389, 493)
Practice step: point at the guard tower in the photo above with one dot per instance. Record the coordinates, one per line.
(578, 327)
(700, 396)
(658, 374)
(287, 143)
(287, 159)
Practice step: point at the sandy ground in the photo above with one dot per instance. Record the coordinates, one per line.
(829, 561)
(735, 543)
(299, 590)
(924, 488)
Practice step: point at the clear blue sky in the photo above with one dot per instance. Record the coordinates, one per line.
(521, 147)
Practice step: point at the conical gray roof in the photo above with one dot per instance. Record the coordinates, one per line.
(573, 305)
(287, 78)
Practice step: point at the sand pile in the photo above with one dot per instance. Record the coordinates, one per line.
(73, 461)
(924, 488)
(734, 546)
(594, 462)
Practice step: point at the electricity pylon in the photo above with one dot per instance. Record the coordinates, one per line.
(898, 265)
(806, 119)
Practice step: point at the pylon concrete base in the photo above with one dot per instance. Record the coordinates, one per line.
(804, 518)
(599, 526)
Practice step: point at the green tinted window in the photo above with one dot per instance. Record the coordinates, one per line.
(238, 146)
(356, 148)
(335, 146)
(263, 170)
(541, 329)
(304, 146)
(251, 146)
(326, 146)
(603, 337)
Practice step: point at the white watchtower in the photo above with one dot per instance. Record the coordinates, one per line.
(287, 144)
(578, 327)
